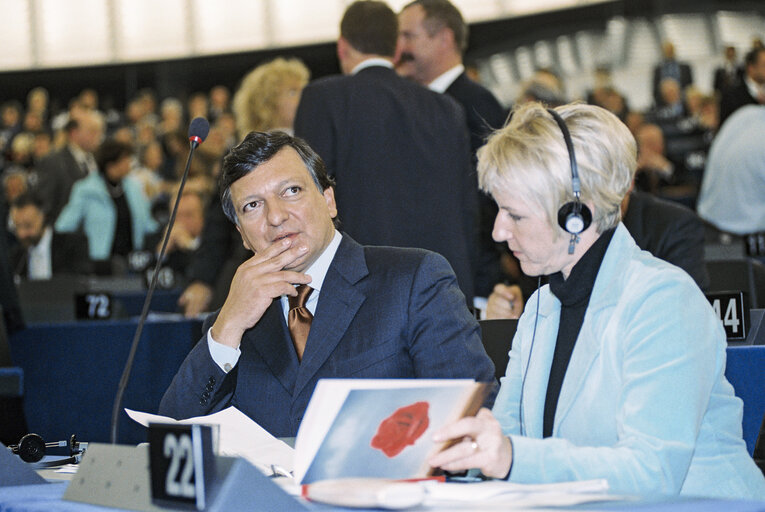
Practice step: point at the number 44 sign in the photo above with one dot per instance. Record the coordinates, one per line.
(732, 311)
(182, 465)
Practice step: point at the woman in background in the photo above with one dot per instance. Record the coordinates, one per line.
(111, 208)
(269, 95)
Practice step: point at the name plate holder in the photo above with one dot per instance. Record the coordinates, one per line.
(732, 308)
(119, 476)
(93, 305)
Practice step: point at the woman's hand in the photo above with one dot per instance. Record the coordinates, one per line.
(481, 445)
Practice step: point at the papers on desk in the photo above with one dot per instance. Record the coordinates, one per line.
(238, 436)
(490, 495)
(508, 496)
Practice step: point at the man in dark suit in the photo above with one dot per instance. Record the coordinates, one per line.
(670, 67)
(751, 91)
(57, 172)
(667, 230)
(42, 253)
(431, 43)
(729, 73)
(370, 312)
(400, 153)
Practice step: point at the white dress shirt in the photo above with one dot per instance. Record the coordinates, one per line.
(374, 61)
(226, 357)
(443, 81)
(39, 265)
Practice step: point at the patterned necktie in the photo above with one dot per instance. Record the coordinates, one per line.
(299, 319)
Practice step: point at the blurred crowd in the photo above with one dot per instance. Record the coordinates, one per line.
(101, 183)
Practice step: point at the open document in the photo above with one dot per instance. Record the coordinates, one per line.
(378, 427)
(238, 436)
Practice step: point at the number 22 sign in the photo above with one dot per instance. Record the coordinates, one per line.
(182, 465)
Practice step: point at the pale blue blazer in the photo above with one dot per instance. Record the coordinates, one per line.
(644, 402)
(91, 207)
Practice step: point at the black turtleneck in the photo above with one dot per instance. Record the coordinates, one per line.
(123, 232)
(574, 296)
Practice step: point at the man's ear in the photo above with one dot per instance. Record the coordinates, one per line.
(329, 197)
(342, 48)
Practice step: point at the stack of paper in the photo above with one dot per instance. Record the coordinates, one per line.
(238, 436)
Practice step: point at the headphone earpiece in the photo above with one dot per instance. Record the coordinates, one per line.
(574, 217)
(31, 448)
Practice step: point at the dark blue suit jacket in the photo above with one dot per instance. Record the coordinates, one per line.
(383, 313)
(400, 154)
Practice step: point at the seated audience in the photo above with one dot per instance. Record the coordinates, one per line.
(670, 68)
(186, 234)
(267, 100)
(110, 208)
(617, 369)
(41, 253)
(367, 312)
(58, 172)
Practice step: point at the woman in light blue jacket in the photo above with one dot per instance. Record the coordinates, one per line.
(109, 206)
(617, 369)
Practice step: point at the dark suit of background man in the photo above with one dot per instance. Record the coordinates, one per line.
(400, 153)
(41, 253)
(750, 91)
(670, 67)
(378, 312)
(432, 40)
(58, 171)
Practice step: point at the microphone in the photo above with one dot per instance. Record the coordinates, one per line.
(198, 130)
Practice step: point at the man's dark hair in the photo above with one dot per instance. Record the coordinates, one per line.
(27, 199)
(752, 55)
(259, 147)
(443, 14)
(111, 151)
(371, 27)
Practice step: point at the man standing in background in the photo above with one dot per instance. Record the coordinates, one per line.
(400, 153)
(431, 43)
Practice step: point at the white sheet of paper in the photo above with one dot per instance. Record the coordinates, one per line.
(513, 496)
(239, 436)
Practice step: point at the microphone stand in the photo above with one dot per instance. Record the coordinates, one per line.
(197, 133)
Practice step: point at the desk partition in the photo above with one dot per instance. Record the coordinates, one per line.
(71, 372)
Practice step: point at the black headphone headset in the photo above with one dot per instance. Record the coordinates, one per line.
(574, 217)
(31, 448)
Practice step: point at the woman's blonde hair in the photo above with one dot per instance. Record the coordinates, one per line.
(256, 102)
(528, 158)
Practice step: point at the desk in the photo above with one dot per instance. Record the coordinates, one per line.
(71, 372)
(44, 498)
(745, 369)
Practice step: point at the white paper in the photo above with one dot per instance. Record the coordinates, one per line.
(508, 495)
(238, 436)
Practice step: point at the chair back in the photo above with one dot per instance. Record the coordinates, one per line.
(745, 274)
(497, 338)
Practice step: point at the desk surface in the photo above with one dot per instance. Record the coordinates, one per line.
(44, 498)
